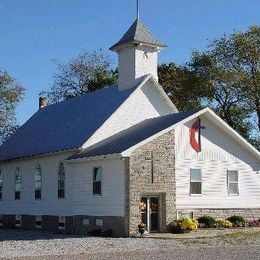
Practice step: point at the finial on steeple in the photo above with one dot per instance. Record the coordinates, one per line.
(137, 9)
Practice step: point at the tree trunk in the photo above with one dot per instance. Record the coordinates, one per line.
(258, 117)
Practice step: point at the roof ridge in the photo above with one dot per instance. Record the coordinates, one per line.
(81, 96)
(67, 124)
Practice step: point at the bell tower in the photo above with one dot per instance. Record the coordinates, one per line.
(137, 55)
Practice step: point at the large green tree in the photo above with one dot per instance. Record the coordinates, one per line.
(231, 68)
(87, 72)
(11, 94)
(185, 87)
(225, 77)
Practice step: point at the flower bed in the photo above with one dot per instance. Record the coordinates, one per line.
(183, 225)
(253, 223)
(186, 224)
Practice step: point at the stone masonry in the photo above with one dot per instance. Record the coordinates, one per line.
(225, 213)
(154, 158)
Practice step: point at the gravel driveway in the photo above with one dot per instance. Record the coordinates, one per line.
(43, 245)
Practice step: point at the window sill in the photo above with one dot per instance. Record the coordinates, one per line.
(195, 195)
(97, 195)
(233, 195)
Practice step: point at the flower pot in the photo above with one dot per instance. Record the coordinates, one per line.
(141, 230)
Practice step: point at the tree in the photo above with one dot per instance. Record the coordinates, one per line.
(231, 68)
(185, 87)
(223, 93)
(10, 95)
(85, 73)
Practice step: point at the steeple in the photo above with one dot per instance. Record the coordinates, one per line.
(138, 52)
(138, 34)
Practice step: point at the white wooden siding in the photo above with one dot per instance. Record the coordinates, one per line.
(49, 204)
(132, 64)
(219, 154)
(111, 202)
(78, 188)
(142, 104)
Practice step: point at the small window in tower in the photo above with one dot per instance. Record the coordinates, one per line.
(145, 55)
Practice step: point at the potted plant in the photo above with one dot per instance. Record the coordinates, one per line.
(141, 228)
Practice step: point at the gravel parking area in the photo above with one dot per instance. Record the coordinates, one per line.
(42, 245)
(19, 243)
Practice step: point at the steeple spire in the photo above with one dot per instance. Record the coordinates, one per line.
(137, 9)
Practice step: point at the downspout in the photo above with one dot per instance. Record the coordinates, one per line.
(127, 195)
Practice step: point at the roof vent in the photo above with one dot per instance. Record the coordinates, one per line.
(43, 102)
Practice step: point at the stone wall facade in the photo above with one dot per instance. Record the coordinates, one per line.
(248, 213)
(73, 224)
(49, 223)
(150, 171)
(116, 224)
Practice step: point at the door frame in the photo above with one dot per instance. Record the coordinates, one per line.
(148, 215)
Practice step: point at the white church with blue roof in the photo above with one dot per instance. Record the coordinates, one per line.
(123, 155)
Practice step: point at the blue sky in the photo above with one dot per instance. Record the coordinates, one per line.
(34, 33)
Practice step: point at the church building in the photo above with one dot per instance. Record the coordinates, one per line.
(124, 154)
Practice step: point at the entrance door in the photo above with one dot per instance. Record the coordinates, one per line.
(150, 213)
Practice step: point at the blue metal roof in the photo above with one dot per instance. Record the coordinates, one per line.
(65, 125)
(138, 33)
(133, 135)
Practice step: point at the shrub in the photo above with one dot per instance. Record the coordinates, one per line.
(97, 232)
(107, 233)
(253, 223)
(237, 221)
(189, 223)
(208, 221)
(182, 225)
(223, 223)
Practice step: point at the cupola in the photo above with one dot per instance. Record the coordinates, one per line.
(137, 55)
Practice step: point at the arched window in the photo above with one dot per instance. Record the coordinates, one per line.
(38, 182)
(18, 181)
(61, 181)
(1, 184)
(97, 180)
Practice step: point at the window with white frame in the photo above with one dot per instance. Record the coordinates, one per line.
(38, 221)
(99, 222)
(195, 181)
(38, 182)
(18, 181)
(62, 223)
(18, 220)
(97, 180)
(232, 182)
(1, 184)
(181, 214)
(61, 181)
(85, 221)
